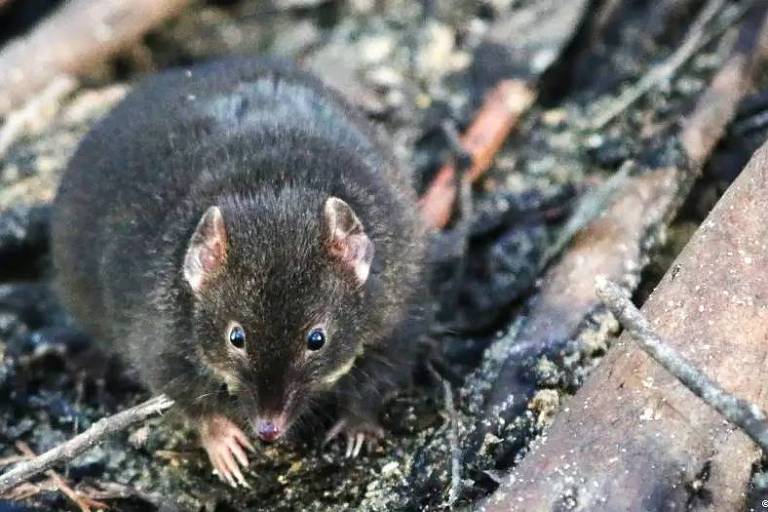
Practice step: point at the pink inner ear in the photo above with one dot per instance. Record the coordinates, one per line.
(354, 252)
(207, 249)
(348, 243)
(211, 255)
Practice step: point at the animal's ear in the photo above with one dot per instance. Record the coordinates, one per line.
(207, 249)
(347, 242)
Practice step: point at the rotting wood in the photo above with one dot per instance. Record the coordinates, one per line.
(83, 441)
(612, 244)
(704, 128)
(79, 35)
(632, 415)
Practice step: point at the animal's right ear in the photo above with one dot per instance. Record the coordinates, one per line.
(207, 250)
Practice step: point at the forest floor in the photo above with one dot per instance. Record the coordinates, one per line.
(412, 67)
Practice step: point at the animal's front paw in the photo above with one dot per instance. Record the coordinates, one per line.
(357, 432)
(224, 443)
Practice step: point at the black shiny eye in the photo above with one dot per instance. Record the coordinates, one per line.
(315, 339)
(237, 336)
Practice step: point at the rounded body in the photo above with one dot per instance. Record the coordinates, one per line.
(268, 144)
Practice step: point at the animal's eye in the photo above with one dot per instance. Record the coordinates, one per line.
(237, 335)
(316, 339)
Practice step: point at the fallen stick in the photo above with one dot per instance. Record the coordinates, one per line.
(589, 207)
(695, 39)
(551, 25)
(83, 503)
(454, 490)
(77, 36)
(741, 413)
(26, 490)
(501, 111)
(83, 441)
(114, 490)
(704, 128)
(615, 243)
(12, 459)
(612, 244)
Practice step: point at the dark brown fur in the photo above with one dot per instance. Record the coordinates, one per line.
(267, 144)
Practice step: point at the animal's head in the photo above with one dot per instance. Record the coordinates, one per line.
(278, 286)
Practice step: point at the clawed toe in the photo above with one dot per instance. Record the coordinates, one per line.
(225, 444)
(354, 444)
(356, 436)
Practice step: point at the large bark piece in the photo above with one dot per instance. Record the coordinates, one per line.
(634, 438)
(614, 245)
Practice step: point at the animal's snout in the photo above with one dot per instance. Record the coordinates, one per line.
(270, 429)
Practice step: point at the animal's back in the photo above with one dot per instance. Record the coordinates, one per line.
(163, 143)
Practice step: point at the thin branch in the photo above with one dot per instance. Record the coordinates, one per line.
(500, 113)
(27, 490)
(453, 438)
(84, 503)
(745, 415)
(696, 38)
(705, 127)
(83, 441)
(113, 490)
(592, 205)
(12, 459)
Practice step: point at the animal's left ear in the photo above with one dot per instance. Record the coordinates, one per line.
(347, 242)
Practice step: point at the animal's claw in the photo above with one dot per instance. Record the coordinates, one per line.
(225, 442)
(357, 434)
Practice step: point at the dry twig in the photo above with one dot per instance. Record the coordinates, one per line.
(83, 441)
(12, 459)
(114, 490)
(453, 438)
(26, 490)
(499, 114)
(84, 503)
(696, 38)
(704, 128)
(741, 413)
(587, 210)
(630, 414)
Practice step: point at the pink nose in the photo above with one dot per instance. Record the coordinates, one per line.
(268, 430)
